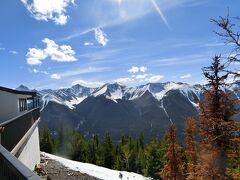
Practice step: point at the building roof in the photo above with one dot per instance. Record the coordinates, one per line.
(14, 91)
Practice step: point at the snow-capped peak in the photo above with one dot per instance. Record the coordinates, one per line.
(66, 96)
(111, 91)
(159, 90)
(70, 97)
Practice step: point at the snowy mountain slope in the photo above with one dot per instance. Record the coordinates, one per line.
(95, 171)
(110, 91)
(71, 97)
(147, 109)
(159, 90)
(66, 96)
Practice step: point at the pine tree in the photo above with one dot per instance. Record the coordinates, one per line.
(108, 151)
(152, 161)
(46, 141)
(118, 161)
(173, 167)
(191, 147)
(216, 128)
(230, 34)
(60, 141)
(78, 147)
(92, 150)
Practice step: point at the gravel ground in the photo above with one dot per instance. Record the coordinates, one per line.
(56, 171)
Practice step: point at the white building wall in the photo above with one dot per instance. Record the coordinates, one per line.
(9, 106)
(30, 155)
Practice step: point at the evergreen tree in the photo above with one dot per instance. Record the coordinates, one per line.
(46, 141)
(152, 161)
(108, 151)
(60, 141)
(92, 150)
(162, 149)
(191, 147)
(173, 168)
(78, 147)
(118, 161)
(230, 34)
(215, 126)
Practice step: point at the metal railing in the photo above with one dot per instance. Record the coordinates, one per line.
(11, 168)
(14, 129)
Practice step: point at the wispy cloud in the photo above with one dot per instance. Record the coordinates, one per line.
(123, 11)
(88, 44)
(56, 76)
(101, 37)
(60, 53)
(39, 71)
(75, 72)
(159, 11)
(180, 60)
(124, 80)
(2, 49)
(77, 34)
(13, 52)
(140, 78)
(136, 69)
(46, 10)
(92, 84)
(185, 76)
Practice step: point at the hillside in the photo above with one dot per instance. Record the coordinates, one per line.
(119, 109)
(93, 170)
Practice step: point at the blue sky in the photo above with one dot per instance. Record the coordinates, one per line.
(58, 43)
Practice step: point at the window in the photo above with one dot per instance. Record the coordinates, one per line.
(22, 104)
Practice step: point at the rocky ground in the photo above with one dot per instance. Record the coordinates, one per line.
(56, 171)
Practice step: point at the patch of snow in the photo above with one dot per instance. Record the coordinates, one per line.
(95, 171)
(46, 98)
(137, 92)
(110, 98)
(75, 101)
(117, 94)
(100, 91)
(166, 112)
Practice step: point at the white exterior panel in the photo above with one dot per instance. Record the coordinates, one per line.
(30, 155)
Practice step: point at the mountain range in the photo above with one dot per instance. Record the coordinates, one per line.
(119, 109)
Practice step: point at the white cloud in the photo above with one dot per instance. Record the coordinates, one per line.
(34, 56)
(135, 69)
(123, 11)
(159, 11)
(60, 53)
(142, 69)
(75, 72)
(154, 78)
(100, 37)
(124, 80)
(46, 10)
(91, 84)
(2, 49)
(140, 78)
(35, 71)
(232, 78)
(185, 76)
(56, 76)
(63, 53)
(88, 44)
(38, 71)
(13, 52)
